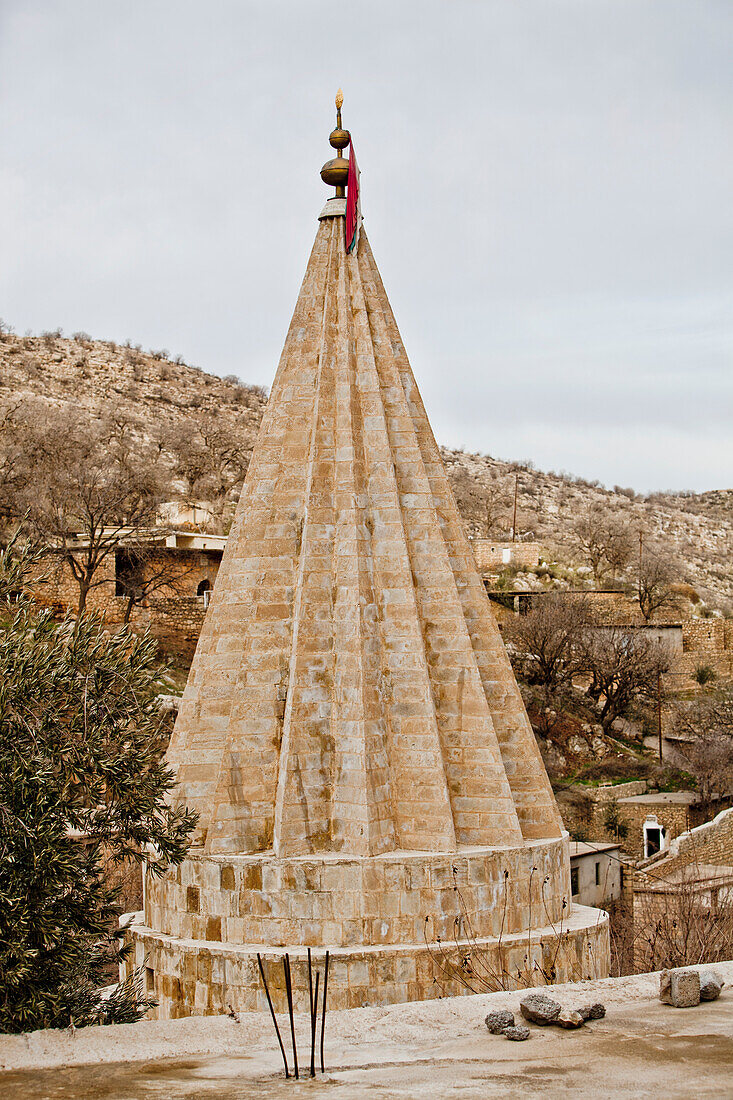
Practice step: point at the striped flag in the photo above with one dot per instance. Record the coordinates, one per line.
(353, 203)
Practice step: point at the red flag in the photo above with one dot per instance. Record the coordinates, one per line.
(353, 203)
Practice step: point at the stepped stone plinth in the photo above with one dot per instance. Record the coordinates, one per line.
(352, 735)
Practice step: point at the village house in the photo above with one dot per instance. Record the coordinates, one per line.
(691, 875)
(161, 581)
(595, 873)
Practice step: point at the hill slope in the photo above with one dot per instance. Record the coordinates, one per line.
(97, 376)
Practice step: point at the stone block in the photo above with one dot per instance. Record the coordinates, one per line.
(679, 988)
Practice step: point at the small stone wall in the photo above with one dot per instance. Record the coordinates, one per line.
(583, 809)
(707, 642)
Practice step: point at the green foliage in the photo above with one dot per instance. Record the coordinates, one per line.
(612, 821)
(704, 674)
(83, 781)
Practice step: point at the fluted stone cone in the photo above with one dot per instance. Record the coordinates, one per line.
(350, 691)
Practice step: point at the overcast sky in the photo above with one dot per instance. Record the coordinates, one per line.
(547, 187)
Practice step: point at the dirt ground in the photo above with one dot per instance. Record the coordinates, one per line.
(428, 1050)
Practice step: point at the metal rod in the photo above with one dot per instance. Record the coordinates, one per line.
(514, 519)
(272, 1013)
(314, 1027)
(289, 991)
(310, 983)
(323, 1016)
(659, 711)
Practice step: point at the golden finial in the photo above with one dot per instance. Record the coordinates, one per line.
(336, 171)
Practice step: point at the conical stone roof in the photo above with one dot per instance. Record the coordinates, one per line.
(350, 692)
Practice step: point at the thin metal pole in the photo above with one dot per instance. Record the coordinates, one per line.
(314, 1027)
(272, 1013)
(659, 712)
(323, 1016)
(514, 520)
(310, 982)
(289, 991)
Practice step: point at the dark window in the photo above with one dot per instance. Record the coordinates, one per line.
(598, 873)
(128, 572)
(574, 888)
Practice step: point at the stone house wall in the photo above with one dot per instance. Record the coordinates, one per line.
(707, 642)
(492, 555)
(173, 617)
(710, 844)
(584, 813)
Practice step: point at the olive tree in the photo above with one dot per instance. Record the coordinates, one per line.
(83, 784)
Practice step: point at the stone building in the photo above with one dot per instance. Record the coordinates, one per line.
(352, 735)
(640, 820)
(492, 555)
(179, 567)
(595, 873)
(689, 882)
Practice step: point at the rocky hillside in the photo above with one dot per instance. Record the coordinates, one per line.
(693, 530)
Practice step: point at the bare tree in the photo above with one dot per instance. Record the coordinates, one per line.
(624, 665)
(654, 582)
(604, 540)
(546, 650)
(212, 459)
(14, 469)
(148, 571)
(495, 500)
(682, 923)
(93, 483)
(707, 725)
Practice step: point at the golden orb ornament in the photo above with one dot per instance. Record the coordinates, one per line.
(336, 172)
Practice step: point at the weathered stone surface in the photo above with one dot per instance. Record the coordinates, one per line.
(680, 988)
(496, 1022)
(711, 985)
(538, 1008)
(517, 1034)
(595, 1011)
(568, 1018)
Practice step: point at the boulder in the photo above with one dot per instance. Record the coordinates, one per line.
(711, 985)
(496, 1022)
(592, 1012)
(569, 1019)
(516, 1034)
(680, 988)
(538, 1008)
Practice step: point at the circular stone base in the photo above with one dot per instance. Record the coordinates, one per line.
(347, 901)
(200, 978)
